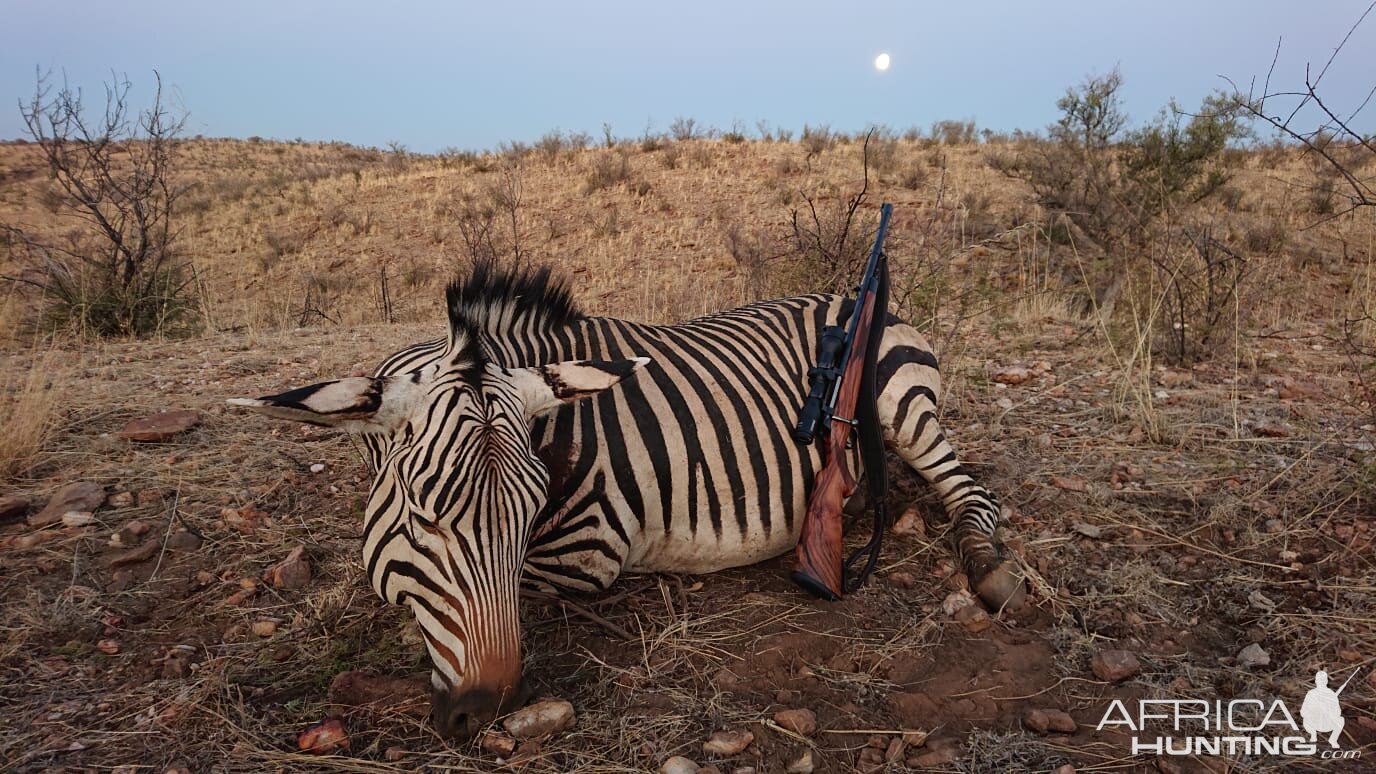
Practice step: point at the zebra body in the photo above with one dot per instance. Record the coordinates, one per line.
(520, 449)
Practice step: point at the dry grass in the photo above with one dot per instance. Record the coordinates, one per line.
(27, 413)
(1202, 509)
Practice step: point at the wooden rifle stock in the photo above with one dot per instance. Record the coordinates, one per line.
(817, 565)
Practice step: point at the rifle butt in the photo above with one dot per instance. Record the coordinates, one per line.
(817, 559)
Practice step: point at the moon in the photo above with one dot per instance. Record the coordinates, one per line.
(881, 62)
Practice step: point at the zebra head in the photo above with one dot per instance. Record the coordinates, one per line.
(454, 501)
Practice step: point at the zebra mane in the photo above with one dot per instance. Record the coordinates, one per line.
(499, 302)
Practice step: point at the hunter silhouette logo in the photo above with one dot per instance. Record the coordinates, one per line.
(1321, 712)
(1235, 727)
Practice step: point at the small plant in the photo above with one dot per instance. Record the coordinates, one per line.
(684, 128)
(608, 169)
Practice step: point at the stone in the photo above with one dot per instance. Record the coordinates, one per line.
(498, 744)
(135, 555)
(1044, 721)
(1070, 484)
(120, 500)
(13, 507)
(956, 601)
(725, 744)
(184, 540)
(291, 573)
(540, 719)
(902, 580)
(1012, 375)
(803, 764)
(78, 519)
(974, 619)
(160, 427)
(1253, 656)
(679, 765)
(324, 737)
(264, 627)
(799, 721)
(394, 754)
(81, 496)
(910, 524)
(1115, 665)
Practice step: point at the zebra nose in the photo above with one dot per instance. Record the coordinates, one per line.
(461, 716)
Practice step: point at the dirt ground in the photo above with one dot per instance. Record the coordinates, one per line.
(1247, 521)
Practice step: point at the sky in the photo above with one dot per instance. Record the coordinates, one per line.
(433, 75)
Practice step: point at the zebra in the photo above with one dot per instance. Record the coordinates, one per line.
(535, 445)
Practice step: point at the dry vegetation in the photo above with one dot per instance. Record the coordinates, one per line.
(1179, 507)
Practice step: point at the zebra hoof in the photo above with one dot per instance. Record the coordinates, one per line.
(1002, 587)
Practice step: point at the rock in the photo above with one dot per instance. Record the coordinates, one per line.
(915, 710)
(1044, 721)
(13, 507)
(120, 500)
(121, 580)
(679, 765)
(1253, 656)
(160, 427)
(803, 764)
(910, 524)
(1070, 484)
(956, 601)
(184, 540)
(1012, 375)
(291, 573)
(81, 496)
(318, 467)
(1271, 428)
(725, 744)
(540, 719)
(799, 721)
(394, 754)
(78, 519)
(264, 627)
(151, 497)
(408, 695)
(108, 647)
(1064, 768)
(1115, 665)
(176, 664)
(932, 759)
(137, 527)
(894, 753)
(498, 744)
(246, 519)
(135, 555)
(974, 619)
(1088, 530)
(902, 580)
(324, 737)
(526, 751)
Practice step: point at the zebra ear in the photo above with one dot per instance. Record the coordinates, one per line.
(359, 404)
(550, 386)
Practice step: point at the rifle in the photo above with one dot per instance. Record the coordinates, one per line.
(841, 399)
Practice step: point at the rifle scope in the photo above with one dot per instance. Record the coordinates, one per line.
(823, 376)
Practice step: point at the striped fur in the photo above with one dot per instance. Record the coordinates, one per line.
(687, 466)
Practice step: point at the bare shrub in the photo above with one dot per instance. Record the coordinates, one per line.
(954, 132)
(117, 272)
(683, 128)
(607, 170)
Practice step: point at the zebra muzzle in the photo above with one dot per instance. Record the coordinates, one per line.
(461, 714)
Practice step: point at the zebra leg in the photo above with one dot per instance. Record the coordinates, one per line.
(907, 408)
